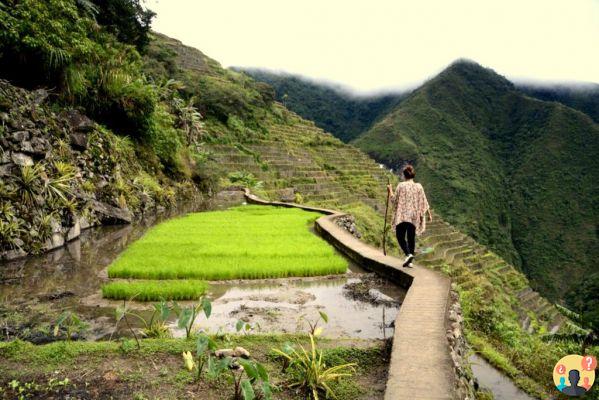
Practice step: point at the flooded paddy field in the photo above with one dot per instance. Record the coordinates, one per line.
(34, 291)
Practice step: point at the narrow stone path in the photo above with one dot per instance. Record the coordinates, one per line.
(421, 366)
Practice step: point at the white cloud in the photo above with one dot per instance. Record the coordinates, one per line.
(381, 44)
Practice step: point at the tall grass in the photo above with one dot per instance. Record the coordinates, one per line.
(154, 290)
(245, 242)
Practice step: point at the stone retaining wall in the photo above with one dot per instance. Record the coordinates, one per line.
(428, 355)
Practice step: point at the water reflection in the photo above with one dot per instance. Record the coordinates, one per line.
(491, 378)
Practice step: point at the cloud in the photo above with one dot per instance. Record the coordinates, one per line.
(381, 45)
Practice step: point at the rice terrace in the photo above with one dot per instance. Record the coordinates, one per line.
(248, 242)
(392, 224)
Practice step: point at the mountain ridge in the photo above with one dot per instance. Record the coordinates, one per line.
(482, 147)
(333, 108)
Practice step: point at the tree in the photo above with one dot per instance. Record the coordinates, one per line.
(128, 20)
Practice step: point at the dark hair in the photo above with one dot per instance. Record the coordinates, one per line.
(409, 172)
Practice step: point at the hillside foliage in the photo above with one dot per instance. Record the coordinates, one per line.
(516, 173)
(333, 109)
(584, 98)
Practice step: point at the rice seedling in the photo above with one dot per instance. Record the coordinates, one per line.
(154, 290)
(248, 242)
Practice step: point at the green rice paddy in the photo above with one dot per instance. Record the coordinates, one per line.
(143, 290)
(246, 242)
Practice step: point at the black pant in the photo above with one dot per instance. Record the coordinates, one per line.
(401, 231)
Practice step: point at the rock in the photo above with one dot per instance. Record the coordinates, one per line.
(55, 225)
(26, 147)
(222, 353)
(457, 333)
(40, 146)
(84, 223)
(379, 297)
(12, 254)
(287, 195)
(4, 157)
(74, 231)
(22, 159)
(236, 366)
(78, 140)
(57, 240)
(79, 122)
(20, 136)
(6, 169)
(39, 96)
(241, 352)
(108, 214)
(453, 316)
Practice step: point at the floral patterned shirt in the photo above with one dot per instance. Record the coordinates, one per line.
(410, 205)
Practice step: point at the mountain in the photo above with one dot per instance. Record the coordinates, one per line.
(517, 173)
(582, 97)
(332, 108)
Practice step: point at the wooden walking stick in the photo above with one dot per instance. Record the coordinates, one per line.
(385, 224)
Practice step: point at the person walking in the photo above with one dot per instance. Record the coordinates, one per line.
(410, 207)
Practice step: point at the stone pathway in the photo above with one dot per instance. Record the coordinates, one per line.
(421, 366)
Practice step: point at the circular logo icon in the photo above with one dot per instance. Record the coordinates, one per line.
(574, 375)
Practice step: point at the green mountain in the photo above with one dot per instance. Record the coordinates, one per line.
(582, 97)
(516, 173)
(332, 108)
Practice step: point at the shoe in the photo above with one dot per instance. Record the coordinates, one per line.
(410, 265)
(408, 260)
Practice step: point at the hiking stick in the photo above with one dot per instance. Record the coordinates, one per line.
(385, 224)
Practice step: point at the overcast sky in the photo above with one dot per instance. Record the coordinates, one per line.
(374, 45)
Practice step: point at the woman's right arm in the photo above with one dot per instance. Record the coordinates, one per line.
(392, 195)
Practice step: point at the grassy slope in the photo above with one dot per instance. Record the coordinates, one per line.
(498, 165)
(246, 242)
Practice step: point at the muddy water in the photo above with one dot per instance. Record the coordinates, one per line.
(34, 290)
(288, 305)
(491, 378)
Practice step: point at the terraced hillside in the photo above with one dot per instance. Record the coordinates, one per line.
(452, 249)
(297, 161)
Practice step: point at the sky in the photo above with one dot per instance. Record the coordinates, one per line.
(384, 45)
